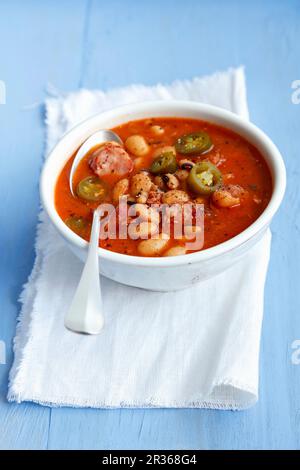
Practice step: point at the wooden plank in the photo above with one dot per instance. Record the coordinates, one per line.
(37, 46)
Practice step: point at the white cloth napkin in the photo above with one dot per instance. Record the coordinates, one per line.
(192, 348)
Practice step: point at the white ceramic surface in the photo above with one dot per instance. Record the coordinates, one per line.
(167, 273)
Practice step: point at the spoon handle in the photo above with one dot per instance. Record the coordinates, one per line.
(85, 313)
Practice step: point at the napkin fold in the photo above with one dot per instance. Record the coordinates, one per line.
(192, 348)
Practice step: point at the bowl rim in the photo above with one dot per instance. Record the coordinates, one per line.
(278, 177)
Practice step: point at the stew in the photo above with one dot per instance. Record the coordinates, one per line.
(166, 161)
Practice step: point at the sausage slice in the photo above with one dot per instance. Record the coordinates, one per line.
(111, 159)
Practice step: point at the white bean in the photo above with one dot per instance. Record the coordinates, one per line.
(140, 183)
(171, 181)
(139, 162)
(144, 213)
(164, 149)
(137, 145)
(175, 251)
(157, 130)
(154, 246)
(159, 182)
(175, 196)
(120, 189)
(142, 230)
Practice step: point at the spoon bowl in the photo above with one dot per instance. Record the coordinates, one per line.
(95, 139)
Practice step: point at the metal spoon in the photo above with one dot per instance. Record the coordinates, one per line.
(86, 312)
(95, 139)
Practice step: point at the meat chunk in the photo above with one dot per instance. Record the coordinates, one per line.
(154, 196)
(111, 159)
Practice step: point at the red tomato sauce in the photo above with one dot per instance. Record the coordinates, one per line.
(239, 162)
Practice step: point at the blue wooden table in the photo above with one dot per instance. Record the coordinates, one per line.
(104, 44)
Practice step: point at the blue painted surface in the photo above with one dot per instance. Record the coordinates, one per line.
(103, 44)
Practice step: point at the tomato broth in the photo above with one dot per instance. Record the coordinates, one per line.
(233, 181)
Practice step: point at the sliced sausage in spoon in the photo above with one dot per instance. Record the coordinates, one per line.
(110, 159)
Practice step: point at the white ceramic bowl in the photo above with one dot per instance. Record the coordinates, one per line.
(167, 273)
